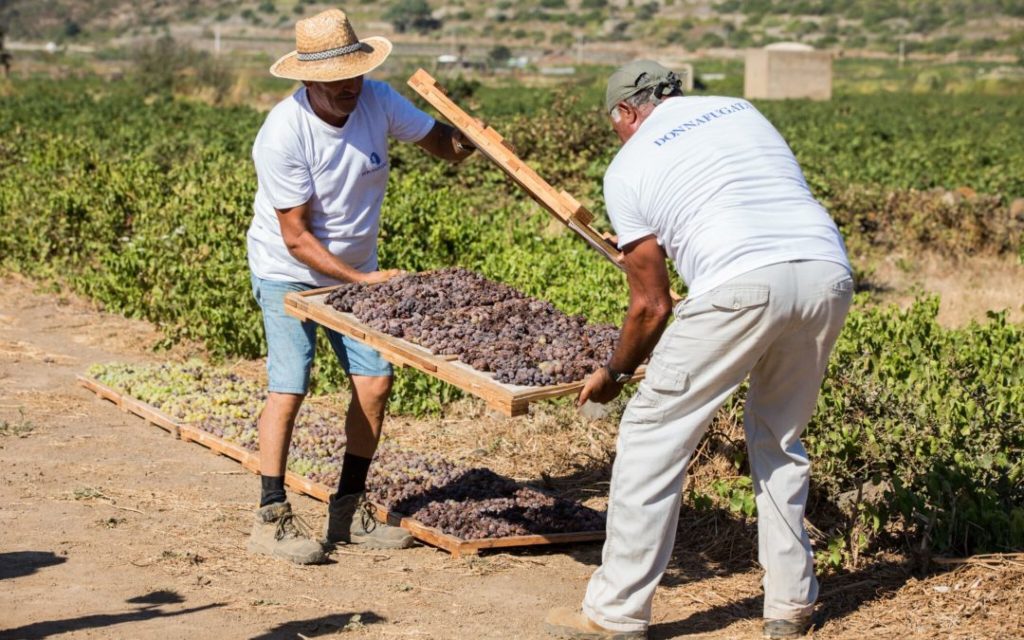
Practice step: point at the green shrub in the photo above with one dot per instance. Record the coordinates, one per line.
(934, 419)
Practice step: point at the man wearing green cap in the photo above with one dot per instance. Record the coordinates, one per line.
(709, 183)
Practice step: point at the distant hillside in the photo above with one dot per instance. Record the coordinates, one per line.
(965, 26)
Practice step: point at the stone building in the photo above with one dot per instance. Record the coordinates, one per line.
(788, 70)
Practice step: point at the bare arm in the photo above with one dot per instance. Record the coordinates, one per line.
(446, 142)
(307, 249)
(650, 305)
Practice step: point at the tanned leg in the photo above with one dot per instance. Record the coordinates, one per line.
(365, 416)
(275, 428)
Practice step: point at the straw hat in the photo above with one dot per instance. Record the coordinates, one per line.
(327, 49)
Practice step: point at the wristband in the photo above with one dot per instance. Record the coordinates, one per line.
(460, 146)
(619, 377)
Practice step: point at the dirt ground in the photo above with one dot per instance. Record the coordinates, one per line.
(967, 288)
(113, 529)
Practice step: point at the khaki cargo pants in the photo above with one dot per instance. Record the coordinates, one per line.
(778, 324)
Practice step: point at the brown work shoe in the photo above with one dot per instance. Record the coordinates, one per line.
(280, 533)
(787, 629)
(563, 622)
(350, 520)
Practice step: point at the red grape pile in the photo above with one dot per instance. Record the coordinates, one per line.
(470, 503)
(487, 325)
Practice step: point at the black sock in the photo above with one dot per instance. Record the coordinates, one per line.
(353, 475)
(273, 490)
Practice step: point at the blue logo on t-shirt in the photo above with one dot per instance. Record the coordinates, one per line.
(376, 164)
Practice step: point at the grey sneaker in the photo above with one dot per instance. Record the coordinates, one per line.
(280, 533)
(350, 519)
(787, 629)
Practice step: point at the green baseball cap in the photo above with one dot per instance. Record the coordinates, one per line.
(636, 76)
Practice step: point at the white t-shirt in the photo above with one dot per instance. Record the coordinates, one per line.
(721, 191)
(343, 171)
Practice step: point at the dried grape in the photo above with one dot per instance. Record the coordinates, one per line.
(487, 325)
(469, 503)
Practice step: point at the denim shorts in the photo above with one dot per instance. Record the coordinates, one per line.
(291, 343)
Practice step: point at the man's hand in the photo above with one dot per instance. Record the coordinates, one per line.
(445, 142)
(612, 239)
(376, 277)
(461, 143)
(599, 388)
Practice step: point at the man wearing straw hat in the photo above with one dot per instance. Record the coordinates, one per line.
(322, 167)
(708, 182)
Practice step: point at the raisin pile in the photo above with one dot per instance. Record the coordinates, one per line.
(487, 325)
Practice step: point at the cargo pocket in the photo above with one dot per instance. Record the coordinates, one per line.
(843, 287)
(663, 377)
(662, 385)
(738, 298)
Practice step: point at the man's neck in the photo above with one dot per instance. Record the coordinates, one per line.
(334, 121)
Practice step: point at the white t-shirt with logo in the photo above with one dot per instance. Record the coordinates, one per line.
(342, 171)
(721, 191)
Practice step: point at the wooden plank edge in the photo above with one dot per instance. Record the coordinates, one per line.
(301, 484)
(459, 546)
(313, 292)
(533, 540)
(94, 385)
(131, 405)
(564, 389)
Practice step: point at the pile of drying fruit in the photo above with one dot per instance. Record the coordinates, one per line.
(487, 325)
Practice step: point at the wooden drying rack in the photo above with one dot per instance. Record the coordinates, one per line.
(509, 399)
(457, 547)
